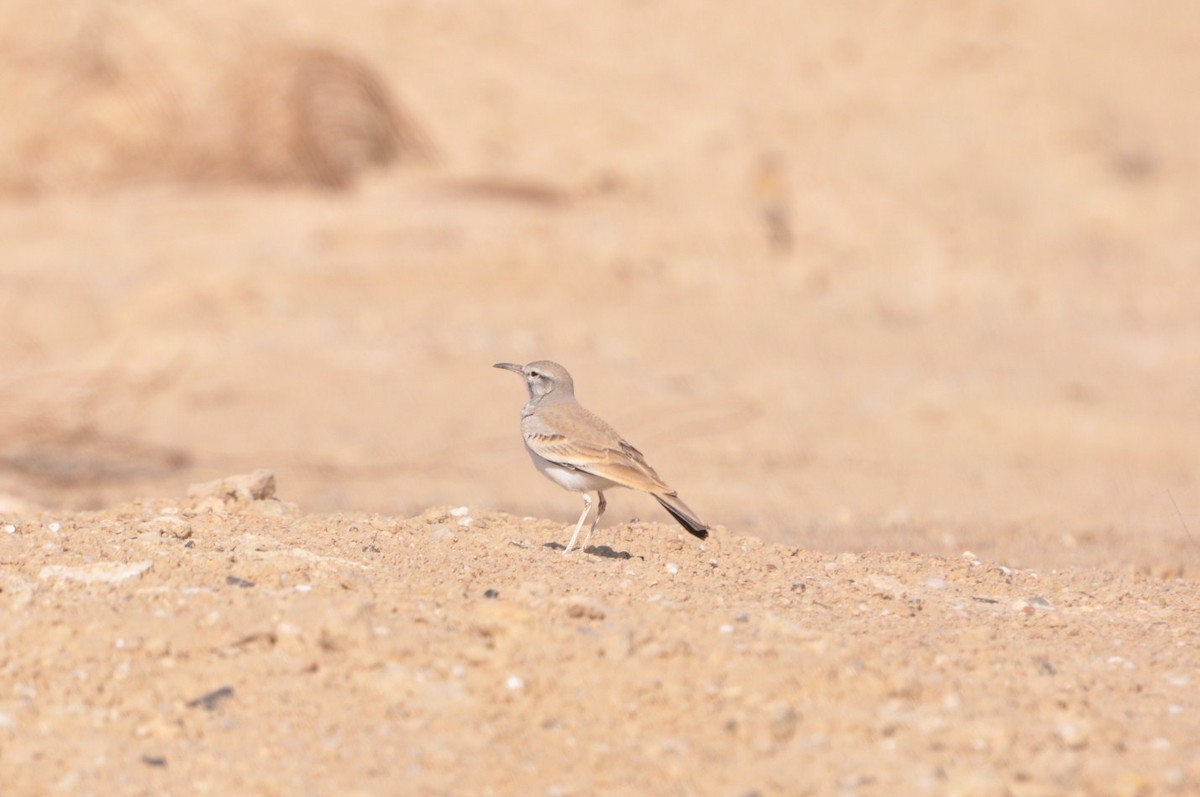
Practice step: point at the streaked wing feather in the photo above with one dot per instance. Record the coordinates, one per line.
(587, 443)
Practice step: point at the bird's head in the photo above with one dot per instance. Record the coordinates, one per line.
(543, 378)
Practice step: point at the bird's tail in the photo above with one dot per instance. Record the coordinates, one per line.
(683, 513)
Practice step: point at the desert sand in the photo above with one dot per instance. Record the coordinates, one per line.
(902, 299)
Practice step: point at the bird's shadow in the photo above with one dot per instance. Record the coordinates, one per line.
(595, 550)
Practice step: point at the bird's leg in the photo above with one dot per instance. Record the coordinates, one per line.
(587, 505)
(599, 511)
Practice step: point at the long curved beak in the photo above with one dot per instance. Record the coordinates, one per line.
(517, 369)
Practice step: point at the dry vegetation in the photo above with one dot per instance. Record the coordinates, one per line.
(101, 94)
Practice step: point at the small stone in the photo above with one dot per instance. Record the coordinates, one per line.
(491, 593)
(1072, 736)
(441, 532)
(936, 583)
(210, 701)
(582, 606)
(102, 572)
(887, 586)
(167, 526)
(1041, 603)
(257, 485)
(514, 682)
(672, 568)
(783, 722)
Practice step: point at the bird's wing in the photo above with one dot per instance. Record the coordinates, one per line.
(575, 438)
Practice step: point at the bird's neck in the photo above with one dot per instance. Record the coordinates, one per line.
(554, 397)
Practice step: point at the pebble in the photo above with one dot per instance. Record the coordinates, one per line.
(167, 526)
(887, 586)
(9, 528)
(582, 606)
(257, 485)
(1072, 736)
(672, 568)
(103, 572)
(210, 701)
(514, 682)
(936, 583)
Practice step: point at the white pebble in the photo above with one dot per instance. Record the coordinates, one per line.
(936, 583)
(515, 682)
(672, 568)
(460, 511)
(55, 526)
(726, 629)
(304, 588)
(9, 528)
(98, 572)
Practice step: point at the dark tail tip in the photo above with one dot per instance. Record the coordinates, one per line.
(692, 524)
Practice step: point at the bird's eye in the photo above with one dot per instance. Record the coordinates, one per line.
(534, 375)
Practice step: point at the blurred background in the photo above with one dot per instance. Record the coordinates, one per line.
(918, 276)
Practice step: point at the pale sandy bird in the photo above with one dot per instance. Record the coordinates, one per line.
(577, 450)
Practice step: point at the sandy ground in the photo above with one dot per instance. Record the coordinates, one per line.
(879, 287)
(211, 647)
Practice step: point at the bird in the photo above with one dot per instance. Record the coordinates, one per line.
(577, 450)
